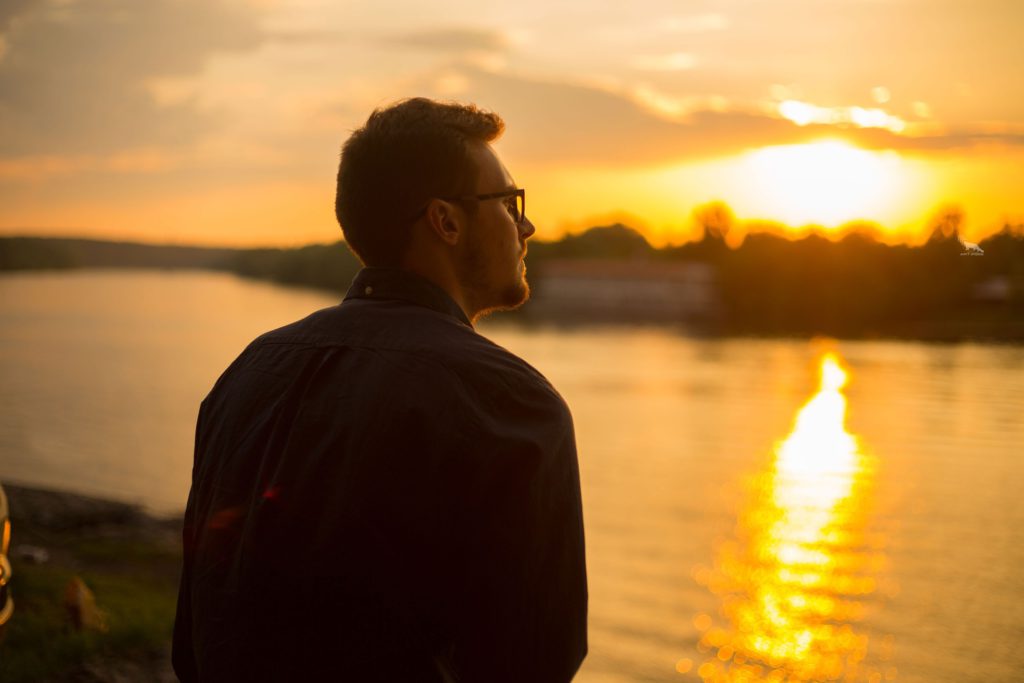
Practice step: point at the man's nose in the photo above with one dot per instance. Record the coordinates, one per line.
(526, 228)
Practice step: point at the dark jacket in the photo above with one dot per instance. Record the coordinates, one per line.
(379, 493)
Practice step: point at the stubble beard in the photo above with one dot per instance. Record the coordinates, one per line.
(488, 299)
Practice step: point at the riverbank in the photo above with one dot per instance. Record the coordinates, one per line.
(127, 559)
(768, 286)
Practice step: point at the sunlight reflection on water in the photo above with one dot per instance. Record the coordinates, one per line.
(793, 581)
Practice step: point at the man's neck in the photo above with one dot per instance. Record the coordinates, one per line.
(446, 280)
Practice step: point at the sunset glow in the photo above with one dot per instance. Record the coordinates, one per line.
(826, 183)
(220, 121)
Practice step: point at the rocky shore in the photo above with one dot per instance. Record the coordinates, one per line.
(64, 511)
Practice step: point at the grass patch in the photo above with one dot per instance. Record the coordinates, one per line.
(135, 584)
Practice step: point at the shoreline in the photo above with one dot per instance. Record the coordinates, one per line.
(769, 286)
(987, 328)
(60, 509)
(63, 510)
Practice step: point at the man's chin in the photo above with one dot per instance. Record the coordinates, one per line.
(515, 296)
(521, 291)
(511, 299)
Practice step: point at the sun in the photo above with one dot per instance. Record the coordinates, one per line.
(825, 183)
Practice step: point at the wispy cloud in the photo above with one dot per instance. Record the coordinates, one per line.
(453, 40)
(555, 122)
(308, 36)
(696, 23)
(75, 77)
(11, 9)
(35, 168)
(955, 139)
(803, 113)
(674, 61)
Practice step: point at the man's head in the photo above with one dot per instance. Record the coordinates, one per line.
(408, 196)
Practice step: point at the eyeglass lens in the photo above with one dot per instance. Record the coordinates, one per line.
(514, 204)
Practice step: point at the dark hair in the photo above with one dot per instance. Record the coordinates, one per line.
(405, 155)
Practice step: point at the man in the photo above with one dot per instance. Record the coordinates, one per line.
(380, 493)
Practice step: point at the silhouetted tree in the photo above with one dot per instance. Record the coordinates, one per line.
(715, 218)
(946, 224)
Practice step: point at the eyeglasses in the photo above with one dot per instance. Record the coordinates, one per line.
(515, 202)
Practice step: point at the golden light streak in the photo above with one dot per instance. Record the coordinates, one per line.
(792, 583)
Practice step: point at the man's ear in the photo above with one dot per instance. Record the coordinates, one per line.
(445, 220)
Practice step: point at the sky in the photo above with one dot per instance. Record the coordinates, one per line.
(220, 121)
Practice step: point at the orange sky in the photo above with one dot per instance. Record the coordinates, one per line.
(219, 121)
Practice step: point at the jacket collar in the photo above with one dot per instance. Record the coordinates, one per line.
(396, 283)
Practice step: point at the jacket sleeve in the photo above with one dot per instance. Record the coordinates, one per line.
(182, 654)
(182, 657)
(521, 610)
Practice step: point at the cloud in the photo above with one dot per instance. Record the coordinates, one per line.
(11, 9)
(42, 167)
(957, 139)
(75, 77)
(443, 40)
(675, 61)
(566, 123)
(453, 40)
(699, 23)
(557, 122)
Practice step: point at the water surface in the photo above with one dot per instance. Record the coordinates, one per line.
(750, 513)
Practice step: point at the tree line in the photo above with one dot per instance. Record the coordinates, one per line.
(856, 286)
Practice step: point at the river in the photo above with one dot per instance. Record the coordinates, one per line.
(754, 509)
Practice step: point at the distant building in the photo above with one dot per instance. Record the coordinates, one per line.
(636, 291)
(995, 289)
